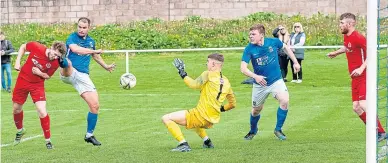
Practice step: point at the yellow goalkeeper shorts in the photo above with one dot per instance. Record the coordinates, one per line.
(194, 120)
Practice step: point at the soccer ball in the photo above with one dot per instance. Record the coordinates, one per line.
(127, 81)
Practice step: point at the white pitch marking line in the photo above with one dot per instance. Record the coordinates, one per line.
(23, 140)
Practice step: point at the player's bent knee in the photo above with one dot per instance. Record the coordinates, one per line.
(358, 109)
(42, 114)
(165, 118)
(94, 108)
(284, 103)
(256, 110)
(17, 108)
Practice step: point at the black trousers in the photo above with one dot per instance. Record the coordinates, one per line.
(299, 74)
(283, 62)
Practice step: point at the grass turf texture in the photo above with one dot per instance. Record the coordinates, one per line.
(320, 127)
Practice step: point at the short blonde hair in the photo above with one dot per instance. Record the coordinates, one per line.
(61, 47)
(300, 26)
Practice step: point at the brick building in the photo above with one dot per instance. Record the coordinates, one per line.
(108, 11)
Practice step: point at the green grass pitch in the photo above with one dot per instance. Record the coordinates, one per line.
(320, 127)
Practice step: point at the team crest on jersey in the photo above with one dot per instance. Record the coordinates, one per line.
(48, 65)
(348, 49)
(37, 64)
(261, 61)
(270, 49)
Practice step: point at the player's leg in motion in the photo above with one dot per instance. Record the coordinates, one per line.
(18, 119)
(207, 143)
(283, 98)
(359, 107)
(91, 99)
(254, 120)
(171, 121)
(44, 122)
(19, 97)
(259, 95)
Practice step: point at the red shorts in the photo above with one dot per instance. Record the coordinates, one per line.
(23, 87)
(358, 89)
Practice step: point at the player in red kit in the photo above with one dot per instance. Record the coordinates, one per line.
(355, 49)
(40, 65)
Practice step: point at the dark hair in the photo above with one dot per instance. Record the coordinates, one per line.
(84, 20)
(2, 33)
(348, 16)
(217, 57)
(61, 47)
(258, 27)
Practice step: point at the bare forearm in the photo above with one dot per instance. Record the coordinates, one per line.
(80, 50)
(42, 75)
(21, 52)
(99, 60)
(244, 69)
(340, 51)
(291, 54)
(363, 66)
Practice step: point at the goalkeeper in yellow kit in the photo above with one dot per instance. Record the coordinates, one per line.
(215, 88)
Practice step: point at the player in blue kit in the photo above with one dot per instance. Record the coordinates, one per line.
(81, 47)
(263, 54)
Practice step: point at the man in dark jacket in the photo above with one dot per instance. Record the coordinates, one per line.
(5, 50)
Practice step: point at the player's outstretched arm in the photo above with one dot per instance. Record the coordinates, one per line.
(231, 102)
(83, 51)
(195, 84)
(337, 52)
(100, 61)
(22, 51)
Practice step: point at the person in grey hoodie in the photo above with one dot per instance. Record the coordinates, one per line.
(298, 38)
(6, 49)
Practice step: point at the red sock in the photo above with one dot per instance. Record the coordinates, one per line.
(18, 119)
(363, 117)
(380, 128)
(45, 123)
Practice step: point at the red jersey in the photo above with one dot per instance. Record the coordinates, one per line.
(37, 58)
(355, 45)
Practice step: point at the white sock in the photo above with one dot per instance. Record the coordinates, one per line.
(182, 141)
(88, 135)
(205, 138)
(48, 140)
(20, 130)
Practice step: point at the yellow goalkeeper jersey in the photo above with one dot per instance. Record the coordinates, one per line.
(215, 88)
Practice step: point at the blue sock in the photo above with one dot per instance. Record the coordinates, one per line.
(254, 121)
(281, 117)
(63, 63)
(92, 120)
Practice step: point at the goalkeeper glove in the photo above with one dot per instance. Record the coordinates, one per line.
(178, 63)
(222, 108)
